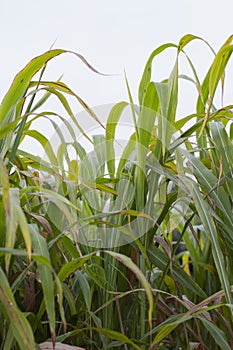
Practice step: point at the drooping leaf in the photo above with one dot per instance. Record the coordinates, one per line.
(147, 70)
(125, 260)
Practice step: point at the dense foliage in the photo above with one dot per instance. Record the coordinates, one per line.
(118, 252)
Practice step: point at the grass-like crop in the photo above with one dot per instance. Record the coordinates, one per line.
(126, 245)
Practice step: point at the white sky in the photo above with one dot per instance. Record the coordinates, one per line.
(112, 35)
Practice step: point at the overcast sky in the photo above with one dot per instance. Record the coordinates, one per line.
(113, 36)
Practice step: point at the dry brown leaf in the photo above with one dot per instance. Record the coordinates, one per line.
(58, 346)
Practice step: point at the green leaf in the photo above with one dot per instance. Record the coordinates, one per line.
(210, 184)
(20, 327)
(97, 274)
(116, 336)
(23, 78)
(85, 288)
(219, 65)
(160, 259)
(186, 39)
(112, 122)
(72, 266)
(217, 334)
(14, 216)
(21, 82)
(168, 97)
(208, 223)
(129, 148)
(125, 260)
(147, 115)
(216, 73)
(147, 71)
(9, 127)
(46, 276)
(70, 298)
(224, 145)
(166, 330)
(59, 293)
(44, 143)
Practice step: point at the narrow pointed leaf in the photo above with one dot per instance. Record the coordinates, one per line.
(20, 327)
(46, 276)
